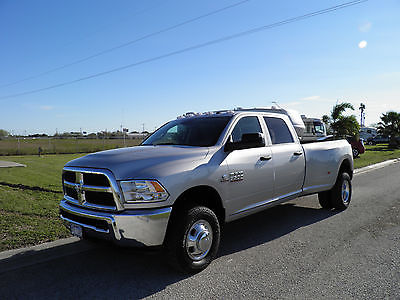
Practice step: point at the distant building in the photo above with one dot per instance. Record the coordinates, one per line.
(136, 135)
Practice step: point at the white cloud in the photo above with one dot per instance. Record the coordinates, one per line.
(362, 44)
(46, 107)
(365, 27)
(311, 98)
(395, 75)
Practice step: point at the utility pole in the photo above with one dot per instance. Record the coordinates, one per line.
(125, 131)
(362, 116)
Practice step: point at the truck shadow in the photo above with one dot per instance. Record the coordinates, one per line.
(268, 225)
(106, 271)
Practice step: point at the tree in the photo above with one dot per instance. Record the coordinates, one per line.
(326, 120)
(4, 133)
(390, 126)
(342, 125)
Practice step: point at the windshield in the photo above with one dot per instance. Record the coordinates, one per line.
(199, 131)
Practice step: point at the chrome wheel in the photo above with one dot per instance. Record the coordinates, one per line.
(345, 192)
(199, 239)
(340, 194)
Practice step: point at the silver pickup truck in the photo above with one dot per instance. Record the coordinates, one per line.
(195, 173)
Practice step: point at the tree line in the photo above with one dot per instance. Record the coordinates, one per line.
(341, 125)
(338, 124)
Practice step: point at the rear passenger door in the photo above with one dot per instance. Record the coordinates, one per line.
(287, 158)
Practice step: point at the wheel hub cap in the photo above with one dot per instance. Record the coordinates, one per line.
(345, 191)
(199, 240)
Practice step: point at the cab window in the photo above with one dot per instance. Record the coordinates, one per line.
(245, 125)
(278, 131)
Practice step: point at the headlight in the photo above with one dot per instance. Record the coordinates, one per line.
(143, 191)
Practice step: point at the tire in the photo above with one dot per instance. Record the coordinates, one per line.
(192, 240)
(324, 199)
(356, 153)
(340, 194)
(370, 143)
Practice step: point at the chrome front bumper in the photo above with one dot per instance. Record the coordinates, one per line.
(140, 227)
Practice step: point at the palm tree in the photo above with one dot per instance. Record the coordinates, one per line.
(342, 125)
(390, 126)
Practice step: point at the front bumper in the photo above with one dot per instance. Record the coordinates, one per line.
(145, 227)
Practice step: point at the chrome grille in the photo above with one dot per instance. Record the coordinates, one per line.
(91, 188)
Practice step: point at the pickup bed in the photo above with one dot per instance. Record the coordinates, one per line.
(193, 174)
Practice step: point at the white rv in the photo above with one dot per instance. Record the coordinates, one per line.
(367, 133)
(315, 129)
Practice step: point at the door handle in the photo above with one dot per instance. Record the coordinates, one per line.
(298, 153)
(264, 158)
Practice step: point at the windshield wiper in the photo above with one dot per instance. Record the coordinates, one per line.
(164, 144)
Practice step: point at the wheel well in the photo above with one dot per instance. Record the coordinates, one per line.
(346, 167)
(200, 196)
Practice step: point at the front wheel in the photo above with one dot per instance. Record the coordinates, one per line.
(193, 239)
(356, 153)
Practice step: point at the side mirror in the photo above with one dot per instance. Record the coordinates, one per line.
(249, 140)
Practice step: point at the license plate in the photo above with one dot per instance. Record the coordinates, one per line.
(76, 230)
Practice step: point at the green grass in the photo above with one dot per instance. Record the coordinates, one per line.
(31, 203)
(21, 230)
(13, 146)
(29, 216)
(44, 171)
(375, 154)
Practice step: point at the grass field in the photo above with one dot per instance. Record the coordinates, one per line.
(375, 154)
(29, 197)
(61, 146)
(29, 200)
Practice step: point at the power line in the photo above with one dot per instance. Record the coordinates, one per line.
(102, 28)
(127, 43)
(191, 48)
(70, 42)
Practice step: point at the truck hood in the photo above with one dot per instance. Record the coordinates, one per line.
(141, 161)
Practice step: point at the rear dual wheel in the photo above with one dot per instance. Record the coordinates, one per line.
(339, 196)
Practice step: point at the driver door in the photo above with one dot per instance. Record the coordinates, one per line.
(251, 174)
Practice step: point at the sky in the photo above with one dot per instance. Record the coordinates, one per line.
(348, 55)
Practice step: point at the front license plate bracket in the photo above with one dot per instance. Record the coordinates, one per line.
(76, 230)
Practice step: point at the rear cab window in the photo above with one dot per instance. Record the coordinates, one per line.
(278, 131)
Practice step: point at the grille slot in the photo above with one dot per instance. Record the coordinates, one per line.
(101, 224)
(100, 198)
(95, 179)
(94, 189)
(71, 193)
(69, 176)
